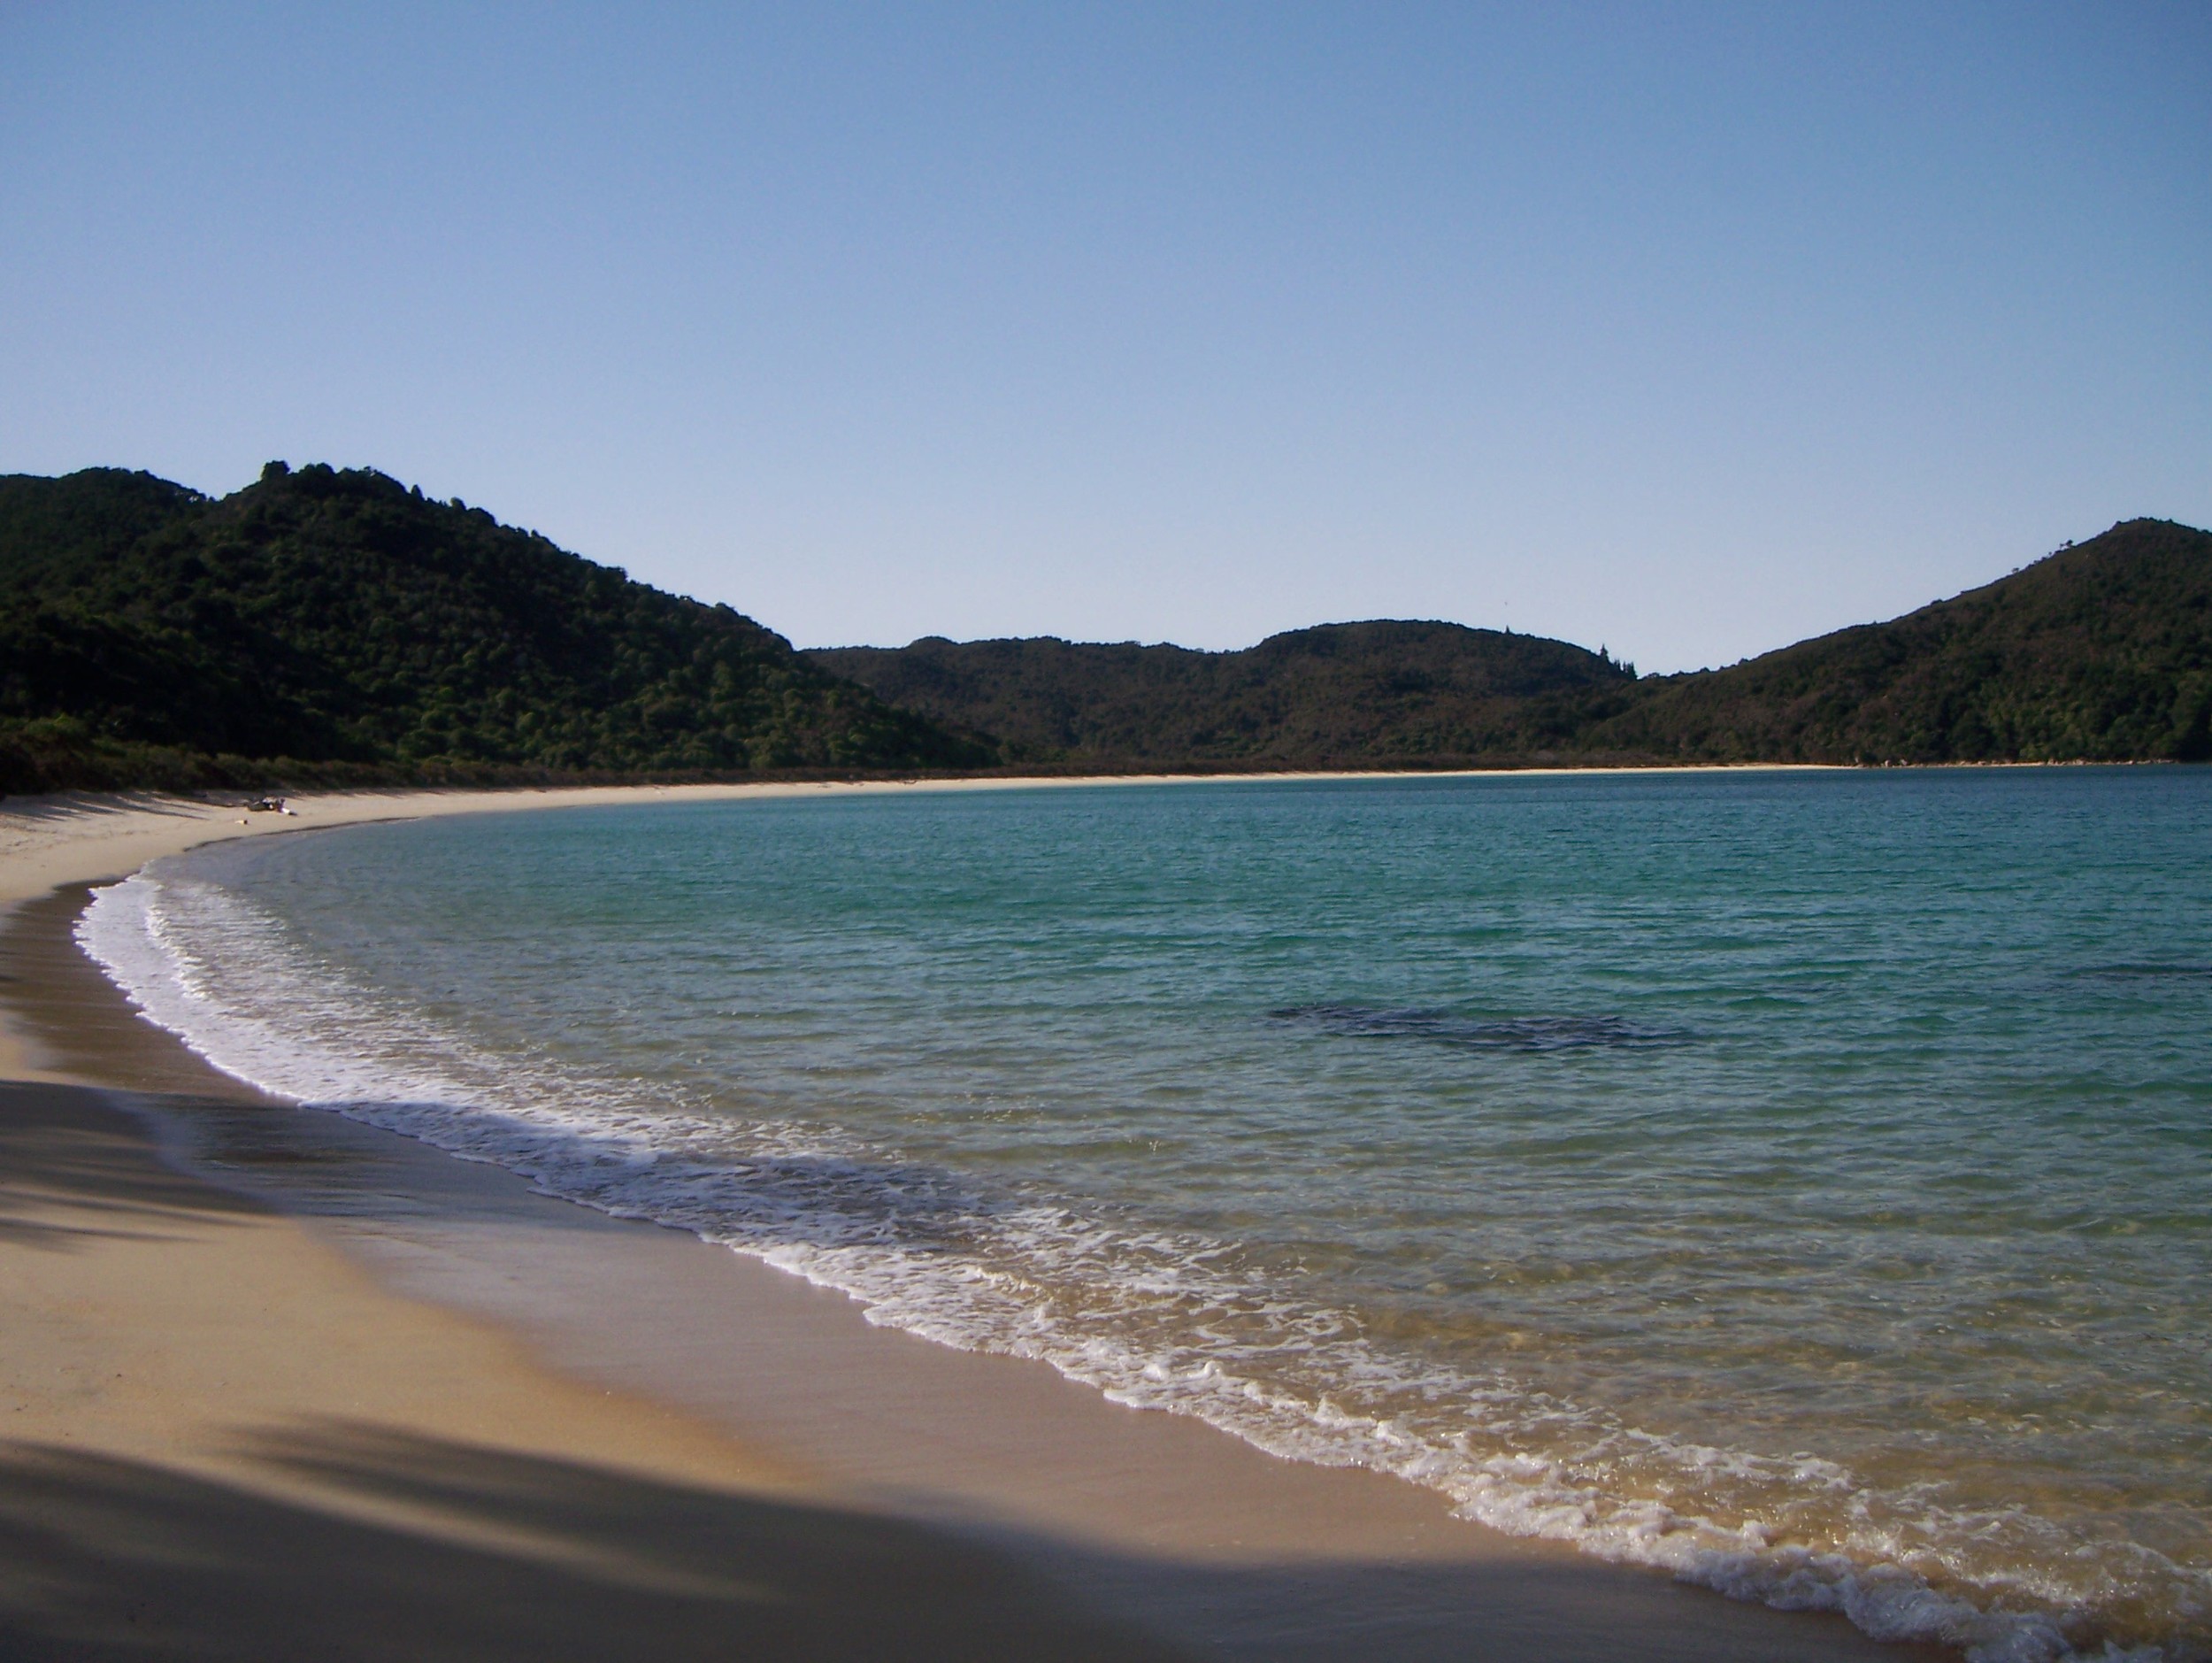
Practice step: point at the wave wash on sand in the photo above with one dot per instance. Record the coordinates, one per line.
(1153, 1319)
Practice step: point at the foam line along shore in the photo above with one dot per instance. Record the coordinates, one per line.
(1372, 1524)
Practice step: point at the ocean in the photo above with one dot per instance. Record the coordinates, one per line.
(1802, 1181)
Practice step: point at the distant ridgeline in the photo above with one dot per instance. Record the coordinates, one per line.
(2099, 652)
(327, 627)
(1373, 695)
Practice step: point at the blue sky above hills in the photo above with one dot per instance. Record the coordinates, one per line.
(1687, 331)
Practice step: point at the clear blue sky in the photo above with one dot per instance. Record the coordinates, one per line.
(1685, 330)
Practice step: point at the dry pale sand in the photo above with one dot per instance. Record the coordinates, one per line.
(277, 1385)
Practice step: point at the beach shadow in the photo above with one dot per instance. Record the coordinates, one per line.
(382, 1545)
(415, 1549)
(64, 1151)
(385, 1545)
(70, 806)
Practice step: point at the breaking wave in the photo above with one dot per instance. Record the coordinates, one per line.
(1154, 1318)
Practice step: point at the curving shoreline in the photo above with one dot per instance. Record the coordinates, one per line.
(1201, 1539)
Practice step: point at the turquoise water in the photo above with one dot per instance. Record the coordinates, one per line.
(1803, 1182)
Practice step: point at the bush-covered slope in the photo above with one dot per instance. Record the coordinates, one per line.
(2101, 651)
(1383, 694)
(76, 522)
(326, 626)
(338, 625)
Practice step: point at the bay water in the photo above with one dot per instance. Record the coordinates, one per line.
(1799, 1181)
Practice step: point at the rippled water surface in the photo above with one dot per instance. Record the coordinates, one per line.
(1800, 1181)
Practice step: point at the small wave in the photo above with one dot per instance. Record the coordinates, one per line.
(1443, 1027)
(1153, 1318)
(2144, 973)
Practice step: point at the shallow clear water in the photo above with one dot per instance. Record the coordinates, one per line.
(1803, 1181)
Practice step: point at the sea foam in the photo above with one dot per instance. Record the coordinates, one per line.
(1155, 1320)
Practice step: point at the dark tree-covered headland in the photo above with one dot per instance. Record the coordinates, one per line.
(328, 627)
(1342, 696)
(2101, 652)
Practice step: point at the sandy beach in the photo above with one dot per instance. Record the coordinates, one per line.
(276, 1383)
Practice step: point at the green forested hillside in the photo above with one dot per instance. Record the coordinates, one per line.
(328, 625)
(1383, 694)
(2101, 651)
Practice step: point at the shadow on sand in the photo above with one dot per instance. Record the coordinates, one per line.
(452, 1551)
(53, 1147)
(74, 805)
(365, 1543)
(369, 1544)
(418, 1548)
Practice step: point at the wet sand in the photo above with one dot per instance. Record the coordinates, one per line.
(332, 1353)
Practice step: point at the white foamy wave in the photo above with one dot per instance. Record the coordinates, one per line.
(1153, 1319)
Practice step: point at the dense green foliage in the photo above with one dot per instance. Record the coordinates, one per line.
(322, 625)
(2101, 652)
(1383, 694)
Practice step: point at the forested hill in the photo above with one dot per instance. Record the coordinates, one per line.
(2100, 653)
(326, 625)
(321, 627)
(1367, 695)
